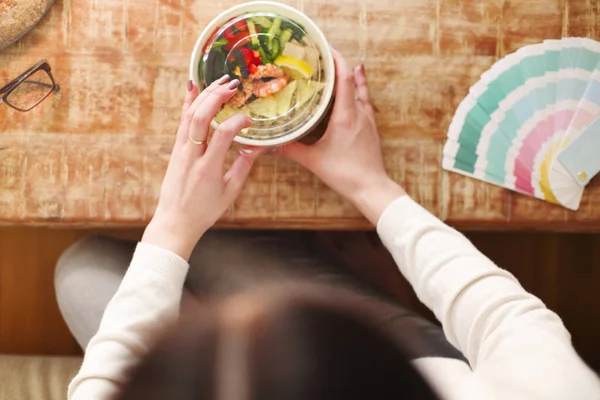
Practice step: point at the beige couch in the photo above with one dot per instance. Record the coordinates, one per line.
(36, 377)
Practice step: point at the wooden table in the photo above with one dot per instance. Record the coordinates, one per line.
(96, 153)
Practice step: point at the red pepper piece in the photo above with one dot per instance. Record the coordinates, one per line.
(236, 30)
(229, 34)
(241, 26)
(248, 56)
(241, 39)
(250, 59)
(256, 58)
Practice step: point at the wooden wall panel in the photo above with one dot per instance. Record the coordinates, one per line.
(30, 322)
(562, 269)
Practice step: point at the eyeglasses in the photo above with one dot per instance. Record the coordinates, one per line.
(30, 88)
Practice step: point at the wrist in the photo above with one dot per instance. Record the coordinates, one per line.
(373, 198)
(162, 233)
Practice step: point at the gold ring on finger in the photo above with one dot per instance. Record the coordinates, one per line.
(197, 142)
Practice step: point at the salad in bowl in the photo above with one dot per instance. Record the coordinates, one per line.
(283, 62)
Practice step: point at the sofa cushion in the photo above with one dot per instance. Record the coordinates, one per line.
(36, 377)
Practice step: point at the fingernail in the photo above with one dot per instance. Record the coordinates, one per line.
(190, 85)
(362, 68)
(234, 84)
(246, 151)
(223, 79)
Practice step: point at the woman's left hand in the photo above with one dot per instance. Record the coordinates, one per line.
(197, 189)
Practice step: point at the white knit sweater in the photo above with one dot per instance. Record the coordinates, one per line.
(517, 348)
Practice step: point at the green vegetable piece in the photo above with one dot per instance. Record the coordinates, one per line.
(253, 32)
(218, 45)
(263, 41)
(263, 56)
(214, 67)
(264, 50)
(298, 31)
(263, 21)
(276, 52)
(286, 36)
(274, 31)
(201, 70)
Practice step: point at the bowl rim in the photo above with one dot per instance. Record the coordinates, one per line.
(315, 34)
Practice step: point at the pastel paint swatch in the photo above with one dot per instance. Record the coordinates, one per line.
(524, 112)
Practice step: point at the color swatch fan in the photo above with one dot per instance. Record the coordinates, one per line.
(531, 124)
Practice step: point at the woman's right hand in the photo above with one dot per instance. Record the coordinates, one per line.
(198, 188)
(348, 158)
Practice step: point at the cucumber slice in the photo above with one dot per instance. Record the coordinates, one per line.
(274, 31)
(263, 49)
(286, 36)
(263, 56)
(253, 32)
(276, 52)
(263, 21)
(298, 31)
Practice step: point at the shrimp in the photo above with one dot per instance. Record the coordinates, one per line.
(266, 89)
(267, 71)
(255, 85)
(242, 96)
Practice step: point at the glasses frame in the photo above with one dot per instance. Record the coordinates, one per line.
(8, 89)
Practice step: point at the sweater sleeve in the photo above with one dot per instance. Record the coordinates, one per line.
(148, 299)
(516, 346)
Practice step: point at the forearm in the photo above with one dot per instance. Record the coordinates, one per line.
(375, 197)
(469, 294)
(163, 233)
(146, 302)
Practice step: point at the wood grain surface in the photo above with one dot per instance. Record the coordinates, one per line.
(95, 153)
(17, 17)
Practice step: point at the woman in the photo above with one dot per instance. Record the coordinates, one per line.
(252, 337)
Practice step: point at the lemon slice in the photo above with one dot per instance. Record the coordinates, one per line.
(294, 67)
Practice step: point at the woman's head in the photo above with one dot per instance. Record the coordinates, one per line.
(286, 342)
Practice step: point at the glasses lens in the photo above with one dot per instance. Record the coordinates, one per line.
(31, 91)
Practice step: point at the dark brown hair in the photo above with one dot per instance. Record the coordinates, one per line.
(285, 343)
